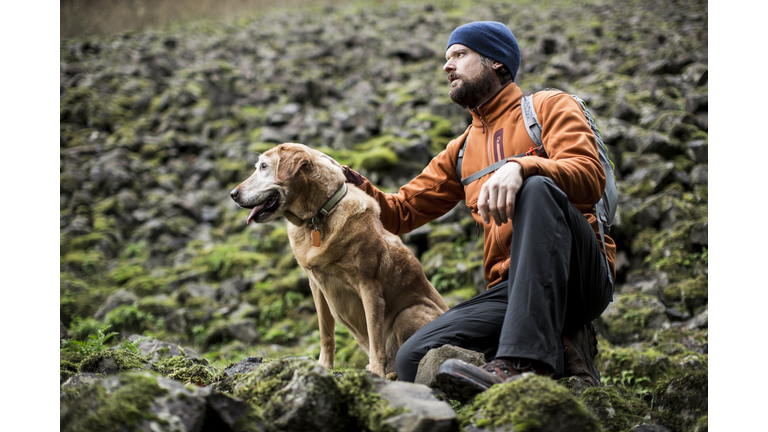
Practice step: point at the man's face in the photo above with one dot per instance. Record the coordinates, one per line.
(471, 82)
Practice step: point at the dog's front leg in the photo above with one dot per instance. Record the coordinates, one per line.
(373, 302)
(327, 323)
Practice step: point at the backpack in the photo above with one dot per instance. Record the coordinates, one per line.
(605, 208)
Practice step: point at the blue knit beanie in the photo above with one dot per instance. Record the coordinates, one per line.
(491, 39)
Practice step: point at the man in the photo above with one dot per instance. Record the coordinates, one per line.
(548, 278)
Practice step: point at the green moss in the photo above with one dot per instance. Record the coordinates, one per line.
(129, 318)
(123, 273)
(691, 292)
(681, 402)
(640, 368)
(188, 370)
(617, 408)
(377, 158)
(124, 408)
(67, 369)
(448, 268)
(531, 403)
(672, 252)
(275, 386)
(227, 260)
(112, 361)
(365, 405)
(634, 317)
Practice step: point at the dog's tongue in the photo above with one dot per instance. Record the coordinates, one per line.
(253, 213)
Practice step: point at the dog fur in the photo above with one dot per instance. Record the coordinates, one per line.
(361, 275)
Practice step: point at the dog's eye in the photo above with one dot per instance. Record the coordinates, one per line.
(263, 166)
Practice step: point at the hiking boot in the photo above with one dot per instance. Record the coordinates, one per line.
(461, 381)
(579, 351)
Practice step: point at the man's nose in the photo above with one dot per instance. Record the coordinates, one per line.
(449, 67)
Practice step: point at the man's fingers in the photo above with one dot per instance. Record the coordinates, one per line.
(501, 204)
(493, 194)
(482, 203)
(510, 205)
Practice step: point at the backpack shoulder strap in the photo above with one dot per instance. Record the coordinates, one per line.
(532, 125)
(461, 156)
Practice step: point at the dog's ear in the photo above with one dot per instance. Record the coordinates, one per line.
(291, 160)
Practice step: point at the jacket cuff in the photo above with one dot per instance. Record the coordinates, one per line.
(522, 166)
(353, 177)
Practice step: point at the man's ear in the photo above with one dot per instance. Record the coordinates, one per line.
(290, 161)
(496, 65)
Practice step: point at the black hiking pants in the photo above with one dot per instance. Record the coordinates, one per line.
(557, 280)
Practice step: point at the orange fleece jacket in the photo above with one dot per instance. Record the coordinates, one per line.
(498, 132)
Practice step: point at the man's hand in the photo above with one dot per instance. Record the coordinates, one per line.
(497, 196)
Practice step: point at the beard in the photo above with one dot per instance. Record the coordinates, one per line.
(472, 93)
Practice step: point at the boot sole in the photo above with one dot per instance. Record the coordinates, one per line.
(459, 387)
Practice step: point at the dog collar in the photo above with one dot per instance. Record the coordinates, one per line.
(332, 201)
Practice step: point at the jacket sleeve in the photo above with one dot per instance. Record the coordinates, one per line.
(573, 161)
(430, 195)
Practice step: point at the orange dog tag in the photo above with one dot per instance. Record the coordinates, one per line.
(315, 238)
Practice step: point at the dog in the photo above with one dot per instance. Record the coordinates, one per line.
(360, 274)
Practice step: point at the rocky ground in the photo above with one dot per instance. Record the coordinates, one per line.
(157, 126)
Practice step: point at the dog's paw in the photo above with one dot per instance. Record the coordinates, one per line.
(392, 376)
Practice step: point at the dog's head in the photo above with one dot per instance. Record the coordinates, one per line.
(283, 175)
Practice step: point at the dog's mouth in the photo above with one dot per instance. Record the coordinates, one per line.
(267, 206)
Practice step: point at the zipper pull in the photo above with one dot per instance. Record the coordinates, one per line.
(477, 226)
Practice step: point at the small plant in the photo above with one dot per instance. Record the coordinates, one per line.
(132, 346)
(630, 381)
(94, 343)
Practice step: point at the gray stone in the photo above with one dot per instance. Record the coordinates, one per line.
(196, 290)
(244, 366)
(243, 330)
(426, 413)
(118, 298)
(176, 321)
(645, 427)
(157, 350)
(700, 234)
(435, 357)
(696, 74)
(82, 380)
(700, 321)
(697, 151)
(699, 175)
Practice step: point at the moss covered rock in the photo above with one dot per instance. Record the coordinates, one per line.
(366, 407)
(136, 402)
(681, 402)
(294, 394)
(634, 317)
(531, 403)
(113, 361)
(617, 407)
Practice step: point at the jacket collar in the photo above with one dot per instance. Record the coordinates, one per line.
(502, 101)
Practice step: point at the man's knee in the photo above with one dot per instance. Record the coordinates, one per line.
(406, 363)
(539, 191)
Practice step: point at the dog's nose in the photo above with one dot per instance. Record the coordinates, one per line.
(235, 193)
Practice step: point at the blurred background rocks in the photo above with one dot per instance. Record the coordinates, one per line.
(159, 122)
